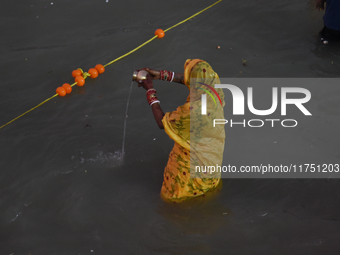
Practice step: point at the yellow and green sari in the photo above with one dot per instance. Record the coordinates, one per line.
(197, 142)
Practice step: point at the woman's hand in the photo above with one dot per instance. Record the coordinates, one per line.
(156, 75)
(146, 84)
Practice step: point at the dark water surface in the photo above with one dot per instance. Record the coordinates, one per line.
(65, 188)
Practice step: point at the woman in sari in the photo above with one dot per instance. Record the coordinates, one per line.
(198, 144)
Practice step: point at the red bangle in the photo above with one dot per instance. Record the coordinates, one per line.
(162, 74)
(151, 96)
(166, 75)
(150, 91)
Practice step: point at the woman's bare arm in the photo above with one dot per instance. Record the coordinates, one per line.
(155, 74)
(179, 78)
(158, 114)
(156, 108)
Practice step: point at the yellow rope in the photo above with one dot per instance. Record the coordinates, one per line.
(29, 111)
(85, 74)
(140, 46)
(192, 16)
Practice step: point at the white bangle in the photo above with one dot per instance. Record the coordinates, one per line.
(173, 75)
(157, 101)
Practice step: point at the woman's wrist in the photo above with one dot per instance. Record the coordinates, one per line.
(151, 96)
(166, 75)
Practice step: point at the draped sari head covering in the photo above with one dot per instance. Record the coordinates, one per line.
(199, 69)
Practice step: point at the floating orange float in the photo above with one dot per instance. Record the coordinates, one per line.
(160, 33)
(93, 72)
(67, 88)
(100, 68)
(61, 91)
(76, 73)
(80, 80)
